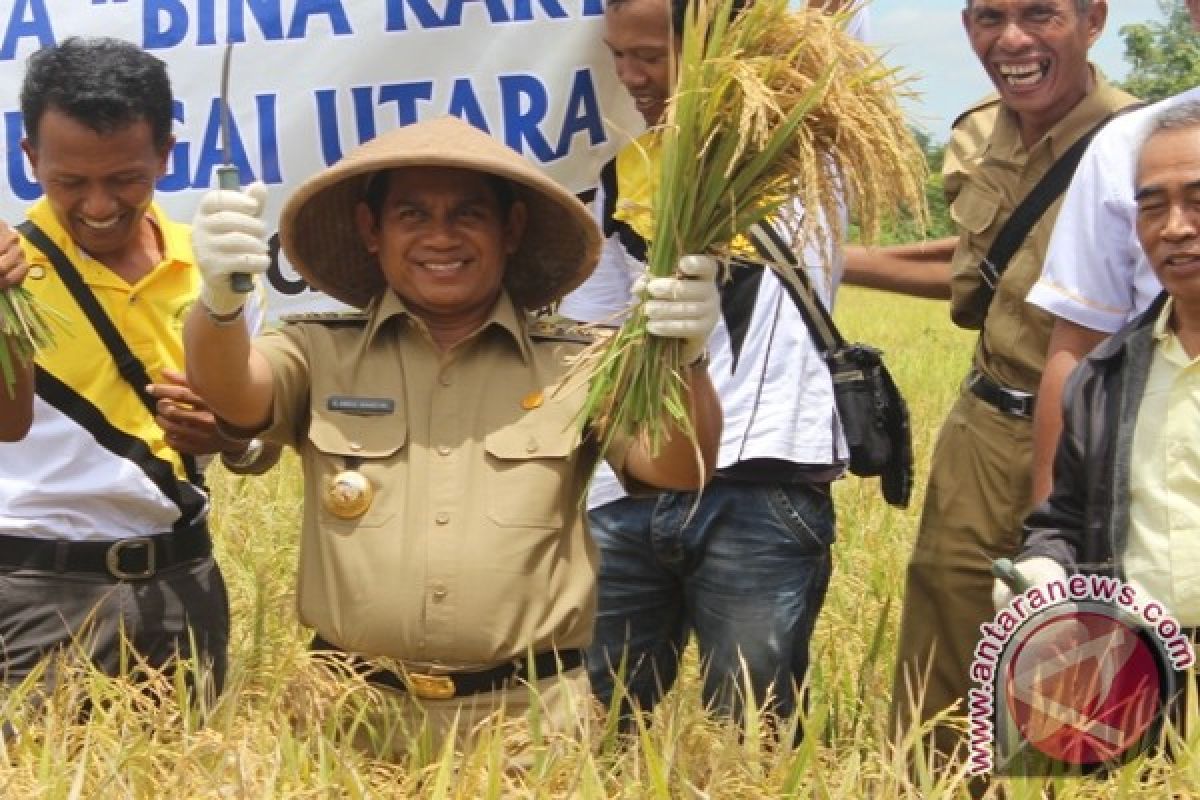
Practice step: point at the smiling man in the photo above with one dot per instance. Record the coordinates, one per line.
(103, 513)
(1126, 488)
(443, 541)
(1048, 99)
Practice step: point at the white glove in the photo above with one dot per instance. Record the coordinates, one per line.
(684, 308)
(228, 236)
(1038, 571)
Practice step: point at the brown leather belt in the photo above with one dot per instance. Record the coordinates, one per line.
(458, 684)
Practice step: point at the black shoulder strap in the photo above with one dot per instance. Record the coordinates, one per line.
(775, 250)
(1035, 204)
(131, 369)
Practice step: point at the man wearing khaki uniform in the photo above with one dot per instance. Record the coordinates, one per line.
(1048, 97)
(443, 541)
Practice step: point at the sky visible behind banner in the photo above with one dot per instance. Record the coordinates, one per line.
(926, 38)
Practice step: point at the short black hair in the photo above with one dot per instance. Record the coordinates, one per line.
(377, 188)
(679, 9)
(103, 83)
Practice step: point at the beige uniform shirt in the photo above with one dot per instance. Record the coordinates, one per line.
(988, 171)
(1162, 552)
(474, 548)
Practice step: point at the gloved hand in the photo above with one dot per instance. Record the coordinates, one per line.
(1038, 571)
(686, 307)
(228, 236)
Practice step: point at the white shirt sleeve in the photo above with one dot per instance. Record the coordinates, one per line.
(605, 297)
(859, 25)
(1095, 273)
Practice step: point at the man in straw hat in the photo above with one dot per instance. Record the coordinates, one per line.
(443, 453)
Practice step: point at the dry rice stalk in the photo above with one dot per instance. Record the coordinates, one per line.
(773, 107)
(24, 330)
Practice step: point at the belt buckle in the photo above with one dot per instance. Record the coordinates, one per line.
(112, 558)
(1022, 403)
(430, 687)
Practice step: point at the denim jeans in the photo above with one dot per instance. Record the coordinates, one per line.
(747, 573)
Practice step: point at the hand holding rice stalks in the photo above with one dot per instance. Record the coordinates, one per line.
(772, 107)
(24, 323)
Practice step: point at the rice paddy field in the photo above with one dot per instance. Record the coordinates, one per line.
(285, 729)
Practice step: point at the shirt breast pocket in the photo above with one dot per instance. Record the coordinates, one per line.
(373, 447)
(975, 213)
(530, 475)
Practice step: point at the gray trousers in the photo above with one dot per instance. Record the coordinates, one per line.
(107, 621)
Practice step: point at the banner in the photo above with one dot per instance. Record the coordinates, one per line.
(311, 79)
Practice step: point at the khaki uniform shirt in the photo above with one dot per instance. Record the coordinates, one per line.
(988, 171)
(473, 550)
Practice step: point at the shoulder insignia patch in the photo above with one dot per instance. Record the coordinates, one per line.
(987, 102)
(327, 317)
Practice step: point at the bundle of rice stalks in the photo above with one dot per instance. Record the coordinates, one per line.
(24, 329)
(773, 107)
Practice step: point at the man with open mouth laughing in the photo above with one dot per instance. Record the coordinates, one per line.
(1048, 98)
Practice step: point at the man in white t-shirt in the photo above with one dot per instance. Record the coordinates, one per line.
(1096, 277)
(747, 567)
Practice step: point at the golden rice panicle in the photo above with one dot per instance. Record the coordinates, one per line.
(771, 107)
(854, 147)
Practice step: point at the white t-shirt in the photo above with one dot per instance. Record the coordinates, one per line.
(777, 399)
(1096, 274)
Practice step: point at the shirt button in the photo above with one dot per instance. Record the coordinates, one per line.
(439, 593)
(442, 518)
(443, 450)
(531, 446)
(444, 379)
(355, 446)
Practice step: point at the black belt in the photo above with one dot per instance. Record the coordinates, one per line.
(130, 559)
(775, 471)
(458, 684)
(1009, 401)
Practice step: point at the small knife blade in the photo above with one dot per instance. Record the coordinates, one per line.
(227, 173)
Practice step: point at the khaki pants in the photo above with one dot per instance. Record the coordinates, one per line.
(555, 707)
(978, 496)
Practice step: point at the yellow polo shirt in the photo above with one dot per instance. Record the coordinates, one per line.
(1162, 556)
(81, 473)
(149, 314)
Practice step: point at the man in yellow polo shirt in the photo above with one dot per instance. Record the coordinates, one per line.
(1126, 494)
(103, 515)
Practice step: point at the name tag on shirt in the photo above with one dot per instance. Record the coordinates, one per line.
(368, 406)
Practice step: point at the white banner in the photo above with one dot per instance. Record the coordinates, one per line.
(311, 79)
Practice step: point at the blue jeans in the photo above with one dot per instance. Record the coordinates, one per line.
(747, 573)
